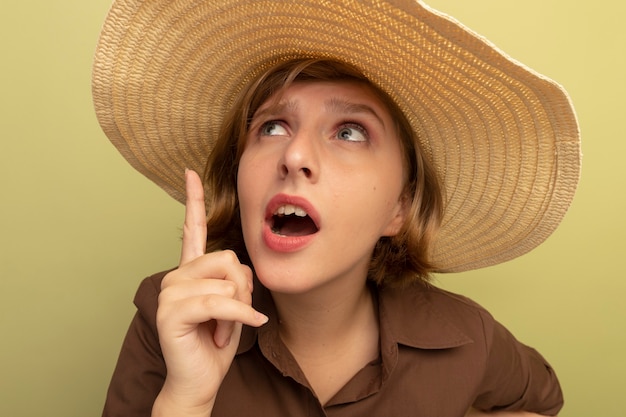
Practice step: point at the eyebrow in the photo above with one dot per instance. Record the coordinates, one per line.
(289, 106)
(333, 105)
(336, 105)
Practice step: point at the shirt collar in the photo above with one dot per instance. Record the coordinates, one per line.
(413, 319)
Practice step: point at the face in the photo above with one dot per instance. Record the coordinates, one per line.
(319, 182)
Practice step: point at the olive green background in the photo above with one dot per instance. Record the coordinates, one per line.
(79, 228)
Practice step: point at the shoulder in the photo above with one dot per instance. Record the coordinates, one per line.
(426, 299)
(149, 288)
(508, 374)
(147, 297)
(454, 305)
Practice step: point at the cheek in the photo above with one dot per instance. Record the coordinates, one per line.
(367, 202)
(245, 185)
(387, 195)
(250, 175)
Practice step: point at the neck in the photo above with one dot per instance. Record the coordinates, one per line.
(325, 317)
(331, 333)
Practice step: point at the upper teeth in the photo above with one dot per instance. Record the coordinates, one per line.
(288, 209)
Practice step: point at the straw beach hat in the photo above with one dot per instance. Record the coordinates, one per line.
(503, 139)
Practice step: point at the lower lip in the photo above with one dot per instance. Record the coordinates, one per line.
(285, 244)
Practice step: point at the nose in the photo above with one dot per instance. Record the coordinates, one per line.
(300, 157)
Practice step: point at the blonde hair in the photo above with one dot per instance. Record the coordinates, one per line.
(396, 260)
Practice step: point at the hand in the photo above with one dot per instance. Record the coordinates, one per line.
(202, 306)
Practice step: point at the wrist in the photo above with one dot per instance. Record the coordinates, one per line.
(168, 405)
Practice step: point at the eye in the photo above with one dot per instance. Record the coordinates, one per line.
(272, 128)
(352, 132)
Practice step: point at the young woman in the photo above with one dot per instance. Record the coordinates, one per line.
(305, 290)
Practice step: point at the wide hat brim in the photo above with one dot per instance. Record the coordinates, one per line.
(504, 140)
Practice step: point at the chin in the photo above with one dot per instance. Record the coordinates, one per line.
(284, 281)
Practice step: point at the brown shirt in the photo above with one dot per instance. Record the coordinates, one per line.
(440, 353)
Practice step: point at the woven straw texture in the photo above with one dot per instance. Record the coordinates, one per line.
(504, 140)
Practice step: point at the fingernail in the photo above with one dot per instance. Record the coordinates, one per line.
(262, 318)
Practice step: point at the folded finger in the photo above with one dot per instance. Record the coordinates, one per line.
(223, 333)
(192, 288)
(177, 319)
(223, 265)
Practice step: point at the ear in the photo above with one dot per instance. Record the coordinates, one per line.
(399, 215)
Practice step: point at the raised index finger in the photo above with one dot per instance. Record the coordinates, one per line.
(194, 228)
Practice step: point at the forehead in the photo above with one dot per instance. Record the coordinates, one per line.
(337, 96)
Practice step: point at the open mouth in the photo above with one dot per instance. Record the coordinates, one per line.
(290, 220)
